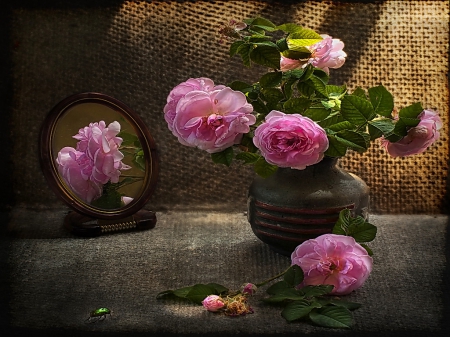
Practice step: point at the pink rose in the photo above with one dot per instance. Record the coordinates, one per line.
(290, 64)
(213, 303)
(214, 120)
(325, 54)
(201, 84)
(75, 168)
(290, 140)
(101, 146)
(333, 259)
(249, 288)
(418, 138)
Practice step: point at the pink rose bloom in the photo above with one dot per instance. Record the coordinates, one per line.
(418, 138)
(101, 145)
(75, 168)
(249, 289)
(325, 54)
(213, 303)
(290, 64)
(290, 140)
(333, 259)
(201, 84)
(214, 120)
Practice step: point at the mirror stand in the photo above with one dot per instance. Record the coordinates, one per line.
(83, 225)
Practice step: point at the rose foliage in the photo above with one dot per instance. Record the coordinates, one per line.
(321, 268)
(291, 116)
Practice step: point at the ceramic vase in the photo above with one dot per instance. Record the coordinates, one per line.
(292, 206)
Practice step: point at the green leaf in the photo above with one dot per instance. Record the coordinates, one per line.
(359, 92)
(261, 39)
(357, 227)
(335, 148)
(296, 310)
(362, 232)
(296, 105)
(332, 119)
(382, 101)
(219, 289)
(402, 125)
(322, 75)
(244, 51)
(367, 248)
(411, 111)
(271, 79)
(294, 275)
(318, 85)
(224, 157)
(278, 287)
(379, 127)
(139, 160)
(301, 54)
(352, 139)
(356, 110)
(341, 225)
(259, 106)
(266, 56)
(290, 28)
(235, 46)
(199, 292)
(335, 91)
(247, 143)
(248, 157)
(302, 38)
(317, 112)
(287, 87)
(282, 45)
(305, 89)
(332, 317)
(128, 139)
(264, 23)
(283, 295)
(264, 169)
(110, 199)
(307, 73)
(344, 125)
(241, 86)
(317, 290)
(272, 95)
(182, 292)
(196, 293)
(346, 304)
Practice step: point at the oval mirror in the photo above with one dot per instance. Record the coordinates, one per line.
(99, 157)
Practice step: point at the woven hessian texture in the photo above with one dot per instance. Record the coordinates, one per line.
(137, 52)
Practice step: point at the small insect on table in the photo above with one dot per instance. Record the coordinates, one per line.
(98, 315)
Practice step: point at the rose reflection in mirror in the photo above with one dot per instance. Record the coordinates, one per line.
(99, 157)
(96, 169)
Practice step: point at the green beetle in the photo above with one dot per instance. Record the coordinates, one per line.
(99, 314)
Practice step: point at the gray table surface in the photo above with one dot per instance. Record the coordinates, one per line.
(54, 279)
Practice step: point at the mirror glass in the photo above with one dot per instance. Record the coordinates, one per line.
(98, 156)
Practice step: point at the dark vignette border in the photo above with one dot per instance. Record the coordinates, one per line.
(7, 188)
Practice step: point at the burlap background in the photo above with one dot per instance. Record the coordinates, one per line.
(138, 51)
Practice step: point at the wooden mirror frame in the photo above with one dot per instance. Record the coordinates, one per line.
(54, 178)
